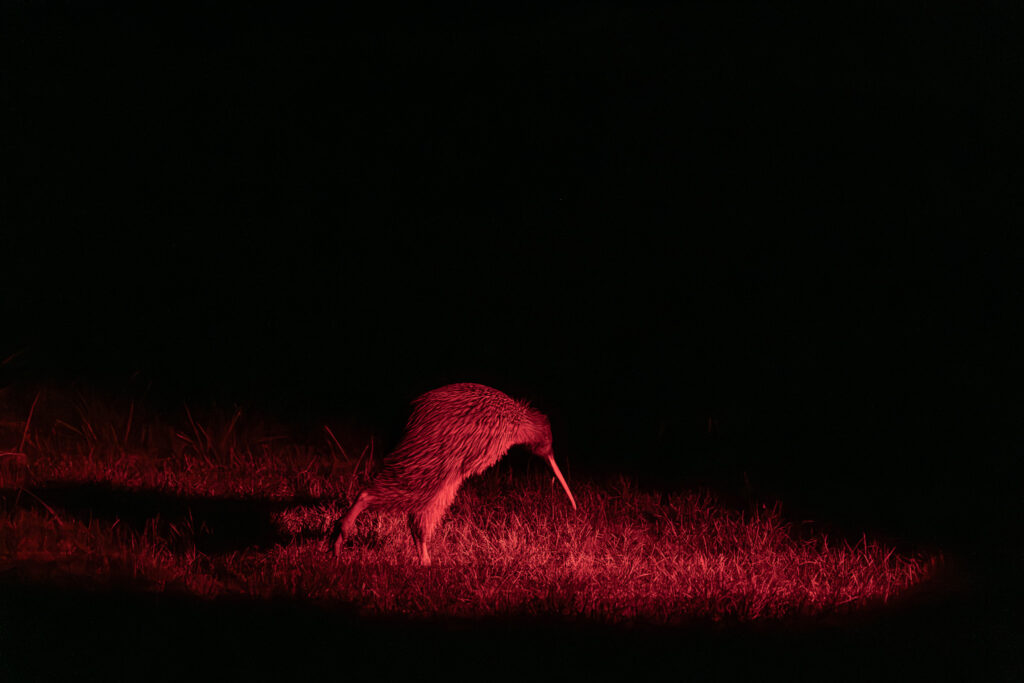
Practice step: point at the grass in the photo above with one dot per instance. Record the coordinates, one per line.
(227, 506)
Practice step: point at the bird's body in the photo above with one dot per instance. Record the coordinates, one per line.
(454, 432)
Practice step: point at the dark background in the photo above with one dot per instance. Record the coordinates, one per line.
(760, 248)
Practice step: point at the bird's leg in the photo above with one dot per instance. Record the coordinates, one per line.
(424, 522)
(348, 522)
(419, 537)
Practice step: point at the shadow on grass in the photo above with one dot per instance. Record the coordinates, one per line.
(213, 525)
(58, 631)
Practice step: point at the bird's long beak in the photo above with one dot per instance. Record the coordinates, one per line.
(561, 479)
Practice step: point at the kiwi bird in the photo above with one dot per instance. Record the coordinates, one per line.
(454, 432)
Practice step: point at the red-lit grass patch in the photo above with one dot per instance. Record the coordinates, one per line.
(229, 510)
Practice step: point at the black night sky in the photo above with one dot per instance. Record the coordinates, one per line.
(639, 216)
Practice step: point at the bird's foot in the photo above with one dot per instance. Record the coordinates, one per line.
(342, 543)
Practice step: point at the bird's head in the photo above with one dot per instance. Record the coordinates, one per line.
(539, 442)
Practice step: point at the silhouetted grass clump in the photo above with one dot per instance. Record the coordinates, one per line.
(230, 506)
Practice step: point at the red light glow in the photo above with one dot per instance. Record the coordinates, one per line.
(220, 508)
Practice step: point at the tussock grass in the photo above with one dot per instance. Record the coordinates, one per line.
(228, 506)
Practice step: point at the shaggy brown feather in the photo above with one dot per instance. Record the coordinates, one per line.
(454, 432)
